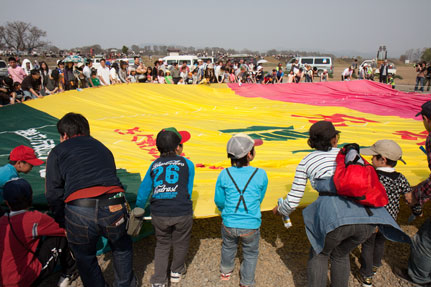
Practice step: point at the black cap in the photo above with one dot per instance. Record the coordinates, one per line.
(167, 141)
(17, 190)
(426, 110)
(324, 129)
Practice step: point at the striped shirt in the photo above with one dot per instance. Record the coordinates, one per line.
(316, 165)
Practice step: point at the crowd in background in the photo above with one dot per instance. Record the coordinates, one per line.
(30, 81)
(368, 71)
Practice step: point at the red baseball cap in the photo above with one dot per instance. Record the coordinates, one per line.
(25, 153)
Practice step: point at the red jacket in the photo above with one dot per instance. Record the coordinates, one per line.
(18, 267)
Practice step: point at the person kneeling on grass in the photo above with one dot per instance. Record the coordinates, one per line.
(168, 184)
(32, 243)
(239, 192)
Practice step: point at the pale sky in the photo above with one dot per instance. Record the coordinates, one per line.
(342, 27)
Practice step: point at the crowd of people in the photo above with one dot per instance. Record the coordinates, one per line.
(369, 70)
(423, 76)
(27, 81)
(87, 201)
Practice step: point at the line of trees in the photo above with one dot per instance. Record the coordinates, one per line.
(416, 55)
(148, 50)
(21, 36)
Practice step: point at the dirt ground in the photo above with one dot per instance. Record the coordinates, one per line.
(282, 259)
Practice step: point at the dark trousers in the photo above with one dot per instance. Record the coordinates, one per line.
(175, 232)
(372, 253)
(384, 79)
(427, 80)
(338, 245)
(51, 251)
(420, 255)
(176, 80)
(84, 226)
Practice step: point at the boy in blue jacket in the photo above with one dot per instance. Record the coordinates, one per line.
(168, 184)
(239, 192)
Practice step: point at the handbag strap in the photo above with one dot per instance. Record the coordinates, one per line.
(17, 238)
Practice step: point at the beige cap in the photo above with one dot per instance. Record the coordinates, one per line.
(241, 144)
(386, 148)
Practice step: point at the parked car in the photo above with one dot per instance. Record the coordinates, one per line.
(321, 63)
(3, 69)
(189, 59)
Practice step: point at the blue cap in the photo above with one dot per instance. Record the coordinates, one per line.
(16, 190)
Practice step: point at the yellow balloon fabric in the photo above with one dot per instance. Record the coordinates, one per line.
(127, 118)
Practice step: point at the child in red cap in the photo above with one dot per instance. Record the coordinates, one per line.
(21, 159)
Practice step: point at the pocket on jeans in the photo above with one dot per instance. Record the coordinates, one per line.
(76, 234)
(117, 229)
(248, 232)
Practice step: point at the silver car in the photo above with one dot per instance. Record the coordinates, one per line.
(3, 69)
(321, 63)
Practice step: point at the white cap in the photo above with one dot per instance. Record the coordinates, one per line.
(241, 144)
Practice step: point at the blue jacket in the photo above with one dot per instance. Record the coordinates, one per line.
(169, 182)
(329, 212)
(227, 197)
(7, 172)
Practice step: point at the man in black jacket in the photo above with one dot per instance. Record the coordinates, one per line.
(86, 196)
(384, 71)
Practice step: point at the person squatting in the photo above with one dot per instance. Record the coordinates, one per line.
(87, 201)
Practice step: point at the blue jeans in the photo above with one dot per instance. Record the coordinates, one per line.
(28, 95)
(250, 249)
(84, 226)
(420, 255)
(419, 82)
(338, 245)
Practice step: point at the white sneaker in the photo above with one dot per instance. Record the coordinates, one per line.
(175, 277)
(66, 280)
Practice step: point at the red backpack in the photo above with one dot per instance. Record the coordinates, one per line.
(359, 182)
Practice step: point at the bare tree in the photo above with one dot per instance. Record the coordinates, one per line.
(135, 48)
(2, 43)
(21, 36)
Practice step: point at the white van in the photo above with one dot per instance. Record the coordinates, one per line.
(205, 59)
(189, 59)
(321, 63)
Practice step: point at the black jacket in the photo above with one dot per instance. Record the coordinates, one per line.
(74, 164)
